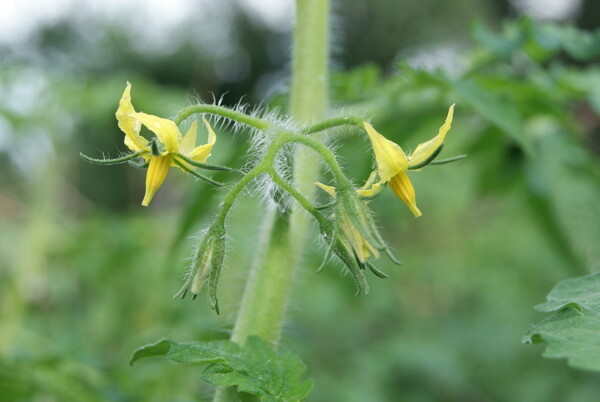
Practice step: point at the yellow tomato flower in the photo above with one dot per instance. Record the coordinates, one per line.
(361, 246)
(392, 162)
(172, 144)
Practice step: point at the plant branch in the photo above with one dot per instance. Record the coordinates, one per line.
(331, 123)
(223, 112)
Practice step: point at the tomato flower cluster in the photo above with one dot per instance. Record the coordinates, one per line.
(346, 224)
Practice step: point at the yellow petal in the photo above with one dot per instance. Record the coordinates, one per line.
(330, 189)
(189, 139)
(369, 192)
(166, 130)
(403, 188)
(370, 180)
(390, 157)
(129, 124)
(201, 153)
(426, 149)
(157, 173)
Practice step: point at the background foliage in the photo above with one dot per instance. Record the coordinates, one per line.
(87, 274)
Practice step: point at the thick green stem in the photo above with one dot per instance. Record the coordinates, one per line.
(268, 289)
(271, 277)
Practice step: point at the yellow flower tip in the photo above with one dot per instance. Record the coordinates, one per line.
(426, 149)
(212, 137)
(450, 115)
(448, 123)
(127, 92)
(202, 152)
(416, 212)
(129, 124)
(157, 173)
(403, 188)
(329, 189)
(189, 140)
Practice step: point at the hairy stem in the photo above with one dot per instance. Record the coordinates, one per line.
(268, 289)
(307, 205)
(335, 122)
(271, 277)
(237, 189)
(224, 112)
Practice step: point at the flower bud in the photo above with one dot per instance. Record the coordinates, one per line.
(206, 266)
(355, 219)
(342, 248)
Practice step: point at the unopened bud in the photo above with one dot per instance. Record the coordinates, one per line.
(206, 266)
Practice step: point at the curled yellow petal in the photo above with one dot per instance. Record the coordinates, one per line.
(329, 189)
(403, 188)
(390, 157)
(189, 139)
(157, 173)
(426, 149)
(201, 153)
(166, 130)
(370, 180)
(129, 124)
(371, 191)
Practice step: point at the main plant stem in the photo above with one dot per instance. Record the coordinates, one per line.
(271, 278)
(269, 286)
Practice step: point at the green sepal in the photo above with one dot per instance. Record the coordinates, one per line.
(207, 166)
(156, 148)
(344, 251)
(360, 216)
(138, 165)
(376, 271)
(327, 235)
(391, 256)
(325, 206)
(114, 161)
(448, 160)
(433, 155)
(216, 263)
(198, 175)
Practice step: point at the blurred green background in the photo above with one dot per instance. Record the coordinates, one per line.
(87, 274)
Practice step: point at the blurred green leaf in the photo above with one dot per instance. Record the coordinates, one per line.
(497, 110)
(254, 368)
(503, 45)
(357, 84)
(539, 40)
(573, 330)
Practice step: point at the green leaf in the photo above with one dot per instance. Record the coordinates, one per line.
(503, 45)
(254, 368)
(573, 330)
(498, 110)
